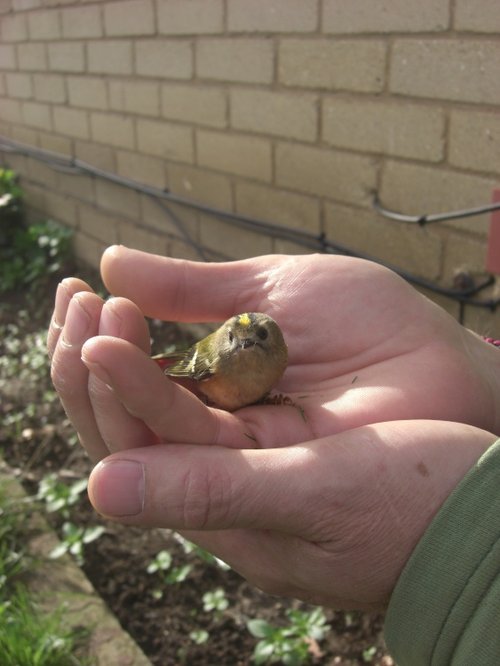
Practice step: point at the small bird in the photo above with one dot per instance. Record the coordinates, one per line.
(236, 365)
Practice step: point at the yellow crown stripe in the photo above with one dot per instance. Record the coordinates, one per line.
(245, 320)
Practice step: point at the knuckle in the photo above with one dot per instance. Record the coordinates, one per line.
(196, 499)
(207, 498)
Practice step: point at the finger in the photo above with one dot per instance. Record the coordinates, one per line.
(184, 290)
(203, 488)
(69, 374)
(393, 476)
(65, 292)
(119, 429)
(170, 411)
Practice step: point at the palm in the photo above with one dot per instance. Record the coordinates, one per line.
(364, 346)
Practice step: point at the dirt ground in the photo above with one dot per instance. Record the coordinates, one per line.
(159, 616)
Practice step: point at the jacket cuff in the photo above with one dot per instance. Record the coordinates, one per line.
(445, 607)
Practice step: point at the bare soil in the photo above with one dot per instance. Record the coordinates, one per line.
(116, 563)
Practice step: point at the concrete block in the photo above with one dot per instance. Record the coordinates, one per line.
(164, 58)
(197, 104)
(240, 59)
(191, 17)
(236, 154)
(463, 70)
(385, 16)
(291, 115)
(327, 173)
(272, 16)
(166, 140)
(129, 17)
(342, 64)
(390, 128)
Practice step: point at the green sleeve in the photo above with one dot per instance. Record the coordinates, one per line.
(445, 609)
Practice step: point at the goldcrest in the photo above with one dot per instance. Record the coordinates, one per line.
(236, 365)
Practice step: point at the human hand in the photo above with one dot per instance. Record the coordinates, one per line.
(330, 521)
(347, 504)
(364, 347)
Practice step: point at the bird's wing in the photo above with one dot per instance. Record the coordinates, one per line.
(187, 363)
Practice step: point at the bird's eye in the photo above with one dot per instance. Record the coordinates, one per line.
(262, 333)
(230, 335)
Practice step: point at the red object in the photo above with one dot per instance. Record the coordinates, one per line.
(163, 362)
(493, 256)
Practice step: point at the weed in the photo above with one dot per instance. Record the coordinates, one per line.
(369, 654)
(73, 540)
(291, 644)
(162, 565)
(199, 636)
(58, 496)
(215, 600)
(28, 252)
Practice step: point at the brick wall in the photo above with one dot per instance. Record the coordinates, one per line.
(293, 111)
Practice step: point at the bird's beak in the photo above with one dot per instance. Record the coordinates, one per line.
(246, 343)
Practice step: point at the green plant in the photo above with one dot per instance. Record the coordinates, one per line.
(59, 496)
(74, 539)
(30, 637)
(369, 653)
(290, 644)
(199, 636)
(34, 252)
(28, 252)
(11, 196)
(24, 374)
(215, 600)
(12, 564)
(162, 565)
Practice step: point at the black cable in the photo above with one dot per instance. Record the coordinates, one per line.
(181, 228)
(315, 242)
(422, 220)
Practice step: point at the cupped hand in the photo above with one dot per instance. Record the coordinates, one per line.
(330, 521)
(364, 347)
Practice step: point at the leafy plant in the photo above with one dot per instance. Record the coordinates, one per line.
(215, 600)
(74, 539)
(59, 496)
(199, 636)
(162, 565)
(11, 196)
(33, 253)
(291, 644)
(11, 552)
(28, 252)
(369, 653)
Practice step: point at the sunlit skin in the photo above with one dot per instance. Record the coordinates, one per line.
(326, 504)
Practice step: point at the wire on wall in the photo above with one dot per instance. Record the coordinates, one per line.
(309, 240)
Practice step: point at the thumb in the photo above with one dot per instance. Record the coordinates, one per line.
(193, 487)
(181, 290)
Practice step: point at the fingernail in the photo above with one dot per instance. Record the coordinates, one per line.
(61, 305)
(116, 488)
(76, 324)
(110, 323)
